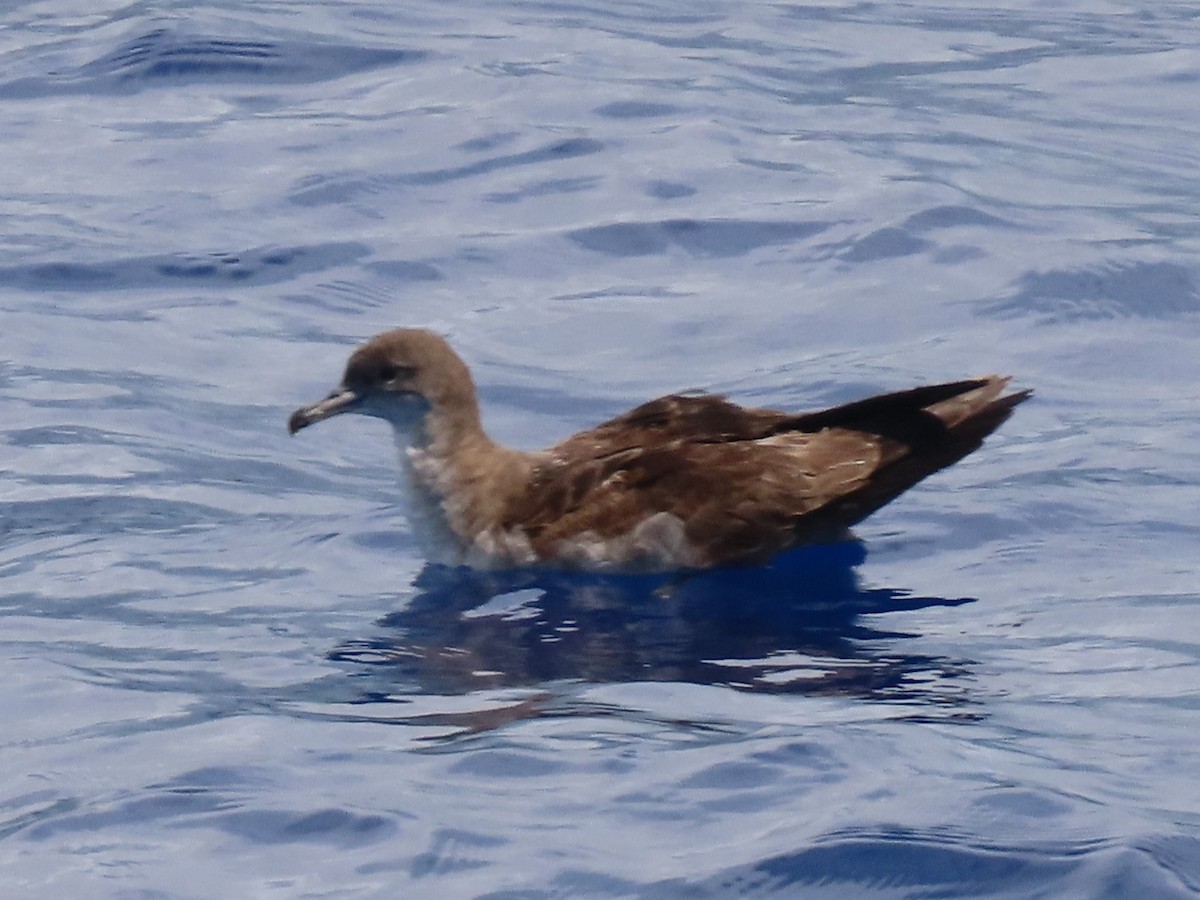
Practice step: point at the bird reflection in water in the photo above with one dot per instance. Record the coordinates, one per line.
(794, 627)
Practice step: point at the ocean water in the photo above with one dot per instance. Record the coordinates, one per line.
(225, 669)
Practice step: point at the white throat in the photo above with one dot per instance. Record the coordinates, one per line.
(456, 484)
(427, 477)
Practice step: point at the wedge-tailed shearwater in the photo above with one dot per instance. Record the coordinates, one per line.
(681, 482)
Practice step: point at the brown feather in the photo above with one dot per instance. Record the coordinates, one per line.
(679, 481)
(748, 483)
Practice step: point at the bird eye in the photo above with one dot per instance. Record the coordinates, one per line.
(391, 371)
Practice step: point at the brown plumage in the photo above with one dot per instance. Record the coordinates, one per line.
(679, 482)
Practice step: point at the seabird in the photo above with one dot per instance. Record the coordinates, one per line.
(681, 482)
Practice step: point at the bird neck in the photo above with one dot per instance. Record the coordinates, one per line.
(463, 482)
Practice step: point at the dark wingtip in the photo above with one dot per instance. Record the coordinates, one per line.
(297, 420)
(1010, 401)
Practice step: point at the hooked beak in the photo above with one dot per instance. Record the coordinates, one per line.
(339, 401)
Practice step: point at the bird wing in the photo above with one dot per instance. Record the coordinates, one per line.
(747, 483)
(732, 476)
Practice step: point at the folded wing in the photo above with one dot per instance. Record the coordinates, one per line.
(748, 483)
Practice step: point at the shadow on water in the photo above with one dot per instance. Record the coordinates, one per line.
(795, 627)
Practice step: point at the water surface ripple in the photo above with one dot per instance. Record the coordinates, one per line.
(228, 672)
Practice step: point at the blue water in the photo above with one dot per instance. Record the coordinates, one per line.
(226, 671)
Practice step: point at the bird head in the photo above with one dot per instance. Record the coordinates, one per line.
(400, 375)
